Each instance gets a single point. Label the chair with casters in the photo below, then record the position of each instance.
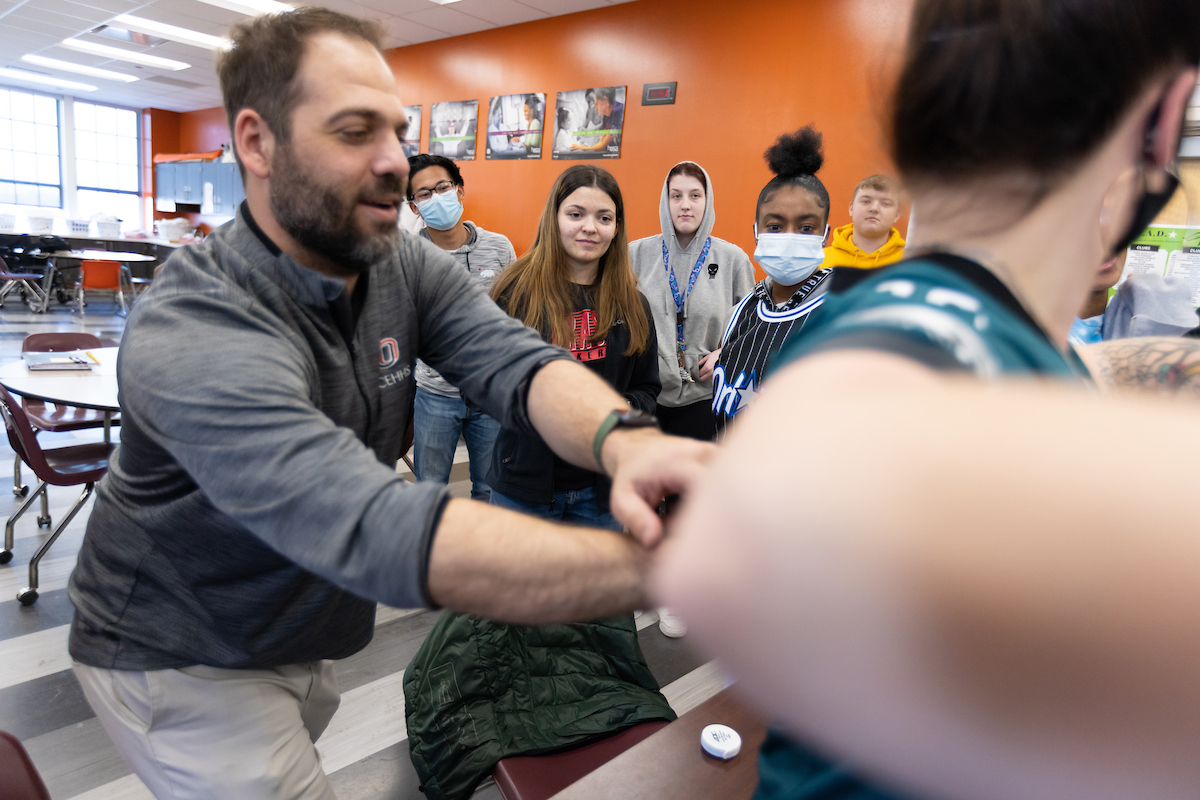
(56, 418)
(20, 777)
(74, 465)
(102, 276)
(13, 276)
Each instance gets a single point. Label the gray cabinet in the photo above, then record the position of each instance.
(164, 182)
(221, 178)
(188, 187)
(184, 183)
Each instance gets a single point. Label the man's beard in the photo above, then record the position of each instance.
(321, 221)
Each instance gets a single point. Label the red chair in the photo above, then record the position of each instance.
(542, 777)
(19, 779)
(62, 466)
(56, 418)
(103, 275)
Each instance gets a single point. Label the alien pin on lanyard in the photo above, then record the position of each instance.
(681, 301)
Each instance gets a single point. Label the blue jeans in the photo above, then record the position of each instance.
(438, 422)
(578, 506)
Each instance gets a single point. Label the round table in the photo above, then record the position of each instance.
(52, 268)
(95, 388)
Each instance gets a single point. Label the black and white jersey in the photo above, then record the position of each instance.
(758, 329)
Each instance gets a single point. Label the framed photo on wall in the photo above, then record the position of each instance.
(514, 126)
(412, 140)
(452, 129)
(588, 123)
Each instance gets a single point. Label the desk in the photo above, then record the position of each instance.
(85, 255)
(95, 388)
(671, 766)
(102, 255)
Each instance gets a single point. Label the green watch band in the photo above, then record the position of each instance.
(619, 419)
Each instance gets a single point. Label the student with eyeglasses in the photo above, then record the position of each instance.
(436, 192)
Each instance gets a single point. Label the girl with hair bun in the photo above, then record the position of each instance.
(790, 226)
(691, 279)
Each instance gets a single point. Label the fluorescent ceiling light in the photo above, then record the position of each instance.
(443, 2)
(122, 55)
(251, 8)
(172, 32)
(45, 80)
(95, 72)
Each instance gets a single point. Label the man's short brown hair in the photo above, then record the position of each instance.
(259, 71)
(880, 183)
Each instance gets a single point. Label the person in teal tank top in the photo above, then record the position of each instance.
(932, 605)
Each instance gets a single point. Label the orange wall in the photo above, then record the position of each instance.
(746, 73)
(202, 131)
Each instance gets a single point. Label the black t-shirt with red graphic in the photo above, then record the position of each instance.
(567, 476)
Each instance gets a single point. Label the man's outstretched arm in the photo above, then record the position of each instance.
(516, 568)
(567, 404)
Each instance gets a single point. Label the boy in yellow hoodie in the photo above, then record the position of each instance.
(869, 241)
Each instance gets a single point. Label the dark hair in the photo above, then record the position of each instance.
(537, 289)
(531, 101)
(259, 70)
(425, 161)
(692, 170)
(795, 159)
(1027, 86)
(609, 93)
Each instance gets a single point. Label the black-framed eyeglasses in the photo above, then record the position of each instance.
(440, 188)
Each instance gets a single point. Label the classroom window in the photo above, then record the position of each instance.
(30, 162)
(107, 162)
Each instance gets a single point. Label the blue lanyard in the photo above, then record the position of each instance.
(680, 300)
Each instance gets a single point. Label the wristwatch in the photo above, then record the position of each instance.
(620, 419)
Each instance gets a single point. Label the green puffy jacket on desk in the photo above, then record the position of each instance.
(479, 691)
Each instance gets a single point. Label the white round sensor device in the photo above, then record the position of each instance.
(721, 741)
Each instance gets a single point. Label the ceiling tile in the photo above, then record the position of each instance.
(391, 8)
(68, 10)
(115, 6)
(500, 12)
(410, 32)
(557, 7)
(448, 21)
(17, 19)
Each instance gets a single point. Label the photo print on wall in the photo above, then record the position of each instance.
(514, 126)
(587, 123)
(412, 140)
(452, 128)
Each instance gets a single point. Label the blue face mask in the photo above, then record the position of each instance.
(789, 258)
(442, 211)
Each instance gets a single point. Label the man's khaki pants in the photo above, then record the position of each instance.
(203, 733)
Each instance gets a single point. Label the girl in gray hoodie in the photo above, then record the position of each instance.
(692, 280)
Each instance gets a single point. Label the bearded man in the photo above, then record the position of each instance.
(252, 516)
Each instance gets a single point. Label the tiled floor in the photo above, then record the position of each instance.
(365, 749)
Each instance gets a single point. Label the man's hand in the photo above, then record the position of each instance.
(647, 466)
(708, 364)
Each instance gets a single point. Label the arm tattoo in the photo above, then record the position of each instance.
(1160, 364)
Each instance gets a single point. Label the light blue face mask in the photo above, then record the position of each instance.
(789, 258)
(442, 211)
